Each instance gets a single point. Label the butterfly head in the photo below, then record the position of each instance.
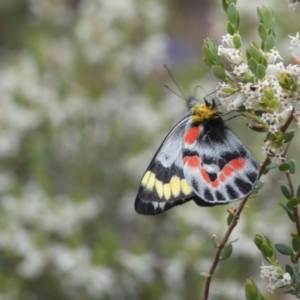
(202, 112)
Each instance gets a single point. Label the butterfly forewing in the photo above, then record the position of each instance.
(163, 184)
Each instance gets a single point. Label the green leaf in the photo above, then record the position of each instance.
(226, 252)
(237, 41)
(268, 18)
(284, 167)
(262, 31)
(293, 259)
(263, 61)
(288, 136)
(208, 54)
(266, 250)
(232, 14)
(259, 184)
(229, 219)
(219, 72)
(289, 270)
(284, 249)
(254, 52)
(252, 292)
(224, 5)
(230, 28)
(274, 104)
(269, 43)
(298, 192)
(260, 14)
(286, 192)
(272, 166)
(289, 213)
(296, 243)
(252, 63)
(292, 167)
(258, 241)
(294, 201)
(214, 296)
(261, 72)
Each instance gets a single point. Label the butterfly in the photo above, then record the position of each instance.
(200, 159)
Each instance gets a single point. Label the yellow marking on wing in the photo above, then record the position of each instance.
(145, 178)
(159, 188)
(167, 191)
(150, 182)
(175, 186)
(185, 187)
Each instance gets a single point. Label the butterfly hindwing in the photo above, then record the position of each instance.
(216, 164)
(163, 185)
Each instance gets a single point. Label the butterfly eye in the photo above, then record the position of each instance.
(191, 102)
(210, 104)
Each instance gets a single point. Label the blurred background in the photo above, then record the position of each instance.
(83, 109)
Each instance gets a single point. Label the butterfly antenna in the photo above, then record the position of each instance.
(200, 87)
(176, 83)
(166, 86)
(235, 116)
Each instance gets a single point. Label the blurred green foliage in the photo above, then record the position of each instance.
(82, 110)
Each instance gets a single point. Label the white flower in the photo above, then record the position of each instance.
(295, 40)
(276, 277)
(224, 51)
(273, 55)
(292, 5)
(280, 156)
(227, 39)
(268, 149)
(270, 272)
(265, 117)
(275, 69)
(249, 104)
(232, 54)
(239, 100)
(263, 84)
(235, 57)
(285, 114)
(286, 279)
(273, 128)
(239, 70)
(295, 46)
(293, 69)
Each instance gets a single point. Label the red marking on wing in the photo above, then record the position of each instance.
(237, 164)
(227, 170)
(233, 166)
(205, 175)
(192, 161)
(192, 135)
(222, 177)
(206, 178)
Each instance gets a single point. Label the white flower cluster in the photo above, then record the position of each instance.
(253, 93)
(276, 277)
(34, 217)
(250, 96)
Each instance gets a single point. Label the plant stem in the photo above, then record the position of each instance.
(237, 216)
(227, 235)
